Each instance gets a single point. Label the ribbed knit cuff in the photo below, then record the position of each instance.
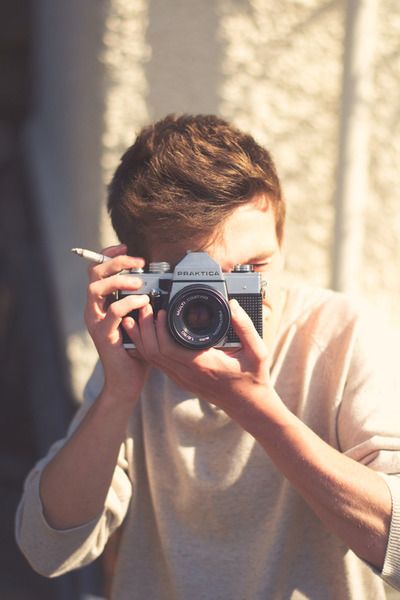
(391, 566)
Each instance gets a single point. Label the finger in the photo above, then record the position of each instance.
(243, 326)
(169, 348)
(111, 318)
(111, 251)
(114, 250)
(132, 328)
(101, 288)
(148, 334)
(121, 308)
(115, 265)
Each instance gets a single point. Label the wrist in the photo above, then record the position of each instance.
(125, 383)
(119, 394)
(261, 412)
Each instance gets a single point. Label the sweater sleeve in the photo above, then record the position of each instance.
(53, 552)
(368, 425)
(391, 567)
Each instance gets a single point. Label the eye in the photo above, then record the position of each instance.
(258, 266)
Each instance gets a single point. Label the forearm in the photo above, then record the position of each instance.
(352, 500)
(74, 484)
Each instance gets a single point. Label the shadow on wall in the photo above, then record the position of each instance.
(36, 404)
(183, 71)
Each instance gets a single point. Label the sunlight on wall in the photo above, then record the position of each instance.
(276, 86)
(273, 68)
(382, 226)
(124, 57)
(281, 78)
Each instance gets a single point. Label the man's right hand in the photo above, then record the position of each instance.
(124, 371)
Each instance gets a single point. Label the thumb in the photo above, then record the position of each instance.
(245, 330)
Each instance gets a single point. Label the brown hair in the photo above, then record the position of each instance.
(183, 177)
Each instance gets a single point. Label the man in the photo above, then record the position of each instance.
(266, 471)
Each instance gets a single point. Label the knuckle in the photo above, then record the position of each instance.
(126, 261)
(131, 301)
(247, 326)
(263, 354)
(130, 279)
(114, 310)
(93, 273)
(92, 289)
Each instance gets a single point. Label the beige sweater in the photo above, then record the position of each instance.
(206, 515)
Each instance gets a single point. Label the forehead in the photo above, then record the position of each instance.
(248, 234)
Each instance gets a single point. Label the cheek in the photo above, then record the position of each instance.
(267, 306)
(272, 295)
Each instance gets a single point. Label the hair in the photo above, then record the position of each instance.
(183, 177)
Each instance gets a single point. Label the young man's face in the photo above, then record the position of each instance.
(248, 236)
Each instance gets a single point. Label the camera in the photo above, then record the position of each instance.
(195, 296)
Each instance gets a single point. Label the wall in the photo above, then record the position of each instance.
(286, 71)
(105, 68)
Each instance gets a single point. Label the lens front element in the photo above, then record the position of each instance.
(198, 317)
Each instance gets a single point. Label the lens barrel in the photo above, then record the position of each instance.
(198, 317)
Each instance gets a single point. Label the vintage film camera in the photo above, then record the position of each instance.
(196, 296)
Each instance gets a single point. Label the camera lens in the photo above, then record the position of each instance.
(198, 317)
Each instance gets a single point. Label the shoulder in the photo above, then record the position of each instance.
(319, 308)
(330, 317)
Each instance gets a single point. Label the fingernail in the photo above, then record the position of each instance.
(234, 305)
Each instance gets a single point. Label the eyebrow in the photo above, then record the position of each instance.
(259, 259)
(262, 256)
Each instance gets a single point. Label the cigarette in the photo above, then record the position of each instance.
(90, 255)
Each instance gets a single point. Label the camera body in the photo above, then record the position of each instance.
(195, 296)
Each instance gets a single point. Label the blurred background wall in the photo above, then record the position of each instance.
(316, 81)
